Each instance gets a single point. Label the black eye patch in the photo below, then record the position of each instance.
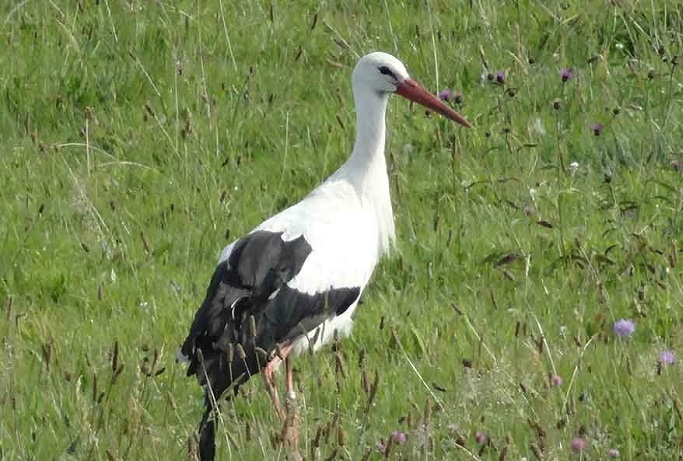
(384, 70)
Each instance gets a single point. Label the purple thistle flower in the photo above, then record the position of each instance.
(597, 129)
(500, 76)
(399, 437)
(445, 95)
(624, 328)
(566, 74)
(666, 358)
(578, 444)
(556, 380)
(613, 453)
(481, 437)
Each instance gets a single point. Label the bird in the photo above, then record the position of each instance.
(293, 283)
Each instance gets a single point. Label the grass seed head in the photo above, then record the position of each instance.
(252, 326)
(230, 352)
(341, 439)
(536, 450)
(240, 352)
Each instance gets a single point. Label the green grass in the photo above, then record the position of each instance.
(138, 138)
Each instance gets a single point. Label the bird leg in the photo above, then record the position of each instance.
(290, 429)
(268, 373)
(289, 415)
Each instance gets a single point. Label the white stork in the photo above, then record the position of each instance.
(293, 283)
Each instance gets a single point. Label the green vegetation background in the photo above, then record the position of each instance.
(137, 138)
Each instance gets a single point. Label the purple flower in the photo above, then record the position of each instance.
(566, 74)
(382, 447)
(399, 437)
(481, 437)
(597, 129)
(667, 358)
(578, 444)
(500, 76)
(624, 328)
(556, 380)
(613, 453)
(445, 95)
(676, 165)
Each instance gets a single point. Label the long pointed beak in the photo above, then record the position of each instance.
(413, 91)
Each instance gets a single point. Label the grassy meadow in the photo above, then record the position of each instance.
(137, 138)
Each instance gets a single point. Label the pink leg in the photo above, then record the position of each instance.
(290, 415)
(291, 395)
(290, 429)
(269, 378)
(268, 373)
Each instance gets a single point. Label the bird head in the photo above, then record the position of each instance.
(385, 74)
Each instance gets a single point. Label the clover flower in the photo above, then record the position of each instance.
(578, 444)
(399, 437)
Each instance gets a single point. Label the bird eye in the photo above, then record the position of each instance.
(384, 70)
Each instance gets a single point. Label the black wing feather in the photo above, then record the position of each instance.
(252, 283)
(259, 265)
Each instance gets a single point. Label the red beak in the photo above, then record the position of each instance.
(412, 90)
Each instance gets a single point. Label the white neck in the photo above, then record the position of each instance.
(366, 169)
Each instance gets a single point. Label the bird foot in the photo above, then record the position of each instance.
(290, 429)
